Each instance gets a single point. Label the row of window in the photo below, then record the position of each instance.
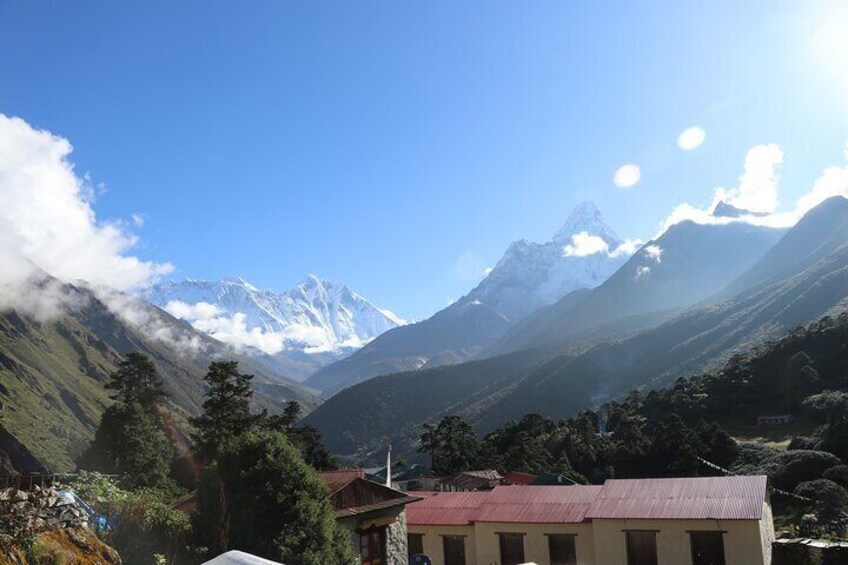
(707, 548)
(560, 547)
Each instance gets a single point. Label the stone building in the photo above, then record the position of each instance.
(373, 514)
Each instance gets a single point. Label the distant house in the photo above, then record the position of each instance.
(697, 521)
(774, 419)
(516, 478)
(373, 514)
(470, 481)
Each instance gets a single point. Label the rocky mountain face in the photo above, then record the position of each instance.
(686, 264)
(581, 255)
(801, 278)
(53, 371)
(296, 331)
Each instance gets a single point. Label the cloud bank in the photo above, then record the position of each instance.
(233, 330)
(757, 193)
(47, 224)
(584, 244)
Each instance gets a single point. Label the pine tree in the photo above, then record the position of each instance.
(129, 440)
(226, 410)
(452, 445)
(136, 380)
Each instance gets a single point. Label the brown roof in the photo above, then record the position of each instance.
(700, 498)
(471, 480)
(516, 478)
(337, 480)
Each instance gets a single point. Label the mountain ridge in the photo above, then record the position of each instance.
(296, 331)
(527, 276)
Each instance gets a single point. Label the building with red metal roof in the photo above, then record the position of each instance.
(696, 521)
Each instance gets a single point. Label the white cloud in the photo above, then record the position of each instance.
(583, 244)
(627, 176)
(642, 271)
(627, 248)
(691, 138)
(47, 221)
(653, 252)
(233, 330)
(758, 192)
(487, 271)
(137, 219)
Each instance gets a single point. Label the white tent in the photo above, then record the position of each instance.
(240, 558)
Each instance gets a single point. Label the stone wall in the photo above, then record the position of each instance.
(397, 552)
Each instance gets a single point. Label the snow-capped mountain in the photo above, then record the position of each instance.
(582, 254)
(314, 323)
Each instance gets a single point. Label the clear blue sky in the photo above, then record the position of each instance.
(377, 143)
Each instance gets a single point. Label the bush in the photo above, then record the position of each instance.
(140, 524)
(838, 475)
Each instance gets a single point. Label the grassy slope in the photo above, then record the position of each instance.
(52, 376)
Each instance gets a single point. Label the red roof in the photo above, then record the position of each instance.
(706, 498)
(516, 478)
(445, 508)
(510, 504)
(702, 498)
(337, 480)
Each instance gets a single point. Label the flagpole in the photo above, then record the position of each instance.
(389, 467)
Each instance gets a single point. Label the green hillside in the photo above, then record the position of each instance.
(52, 375)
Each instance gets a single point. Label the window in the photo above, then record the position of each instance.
(454, 547)
(561, 549)
(415, 543)
(641, 548)
(707, 548)
(372, 546)
(512, 549)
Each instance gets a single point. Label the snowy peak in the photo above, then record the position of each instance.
(586, 218)
(316, 316)
(582, 254)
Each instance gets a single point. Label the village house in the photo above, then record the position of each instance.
(468, 481)
(686, 521)
(774, 419)
(373, 515)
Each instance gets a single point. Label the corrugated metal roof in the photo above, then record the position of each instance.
(382, 505)
(516, 478)
(701, 498)
(445, 508)
(337, 480)
(504, 504)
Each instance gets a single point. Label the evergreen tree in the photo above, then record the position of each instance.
(129, 440)
(260, 496)
(306, 439)
(452, 445)
(226, 410)
(136, 380)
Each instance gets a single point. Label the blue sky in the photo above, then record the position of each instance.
(383, 144)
